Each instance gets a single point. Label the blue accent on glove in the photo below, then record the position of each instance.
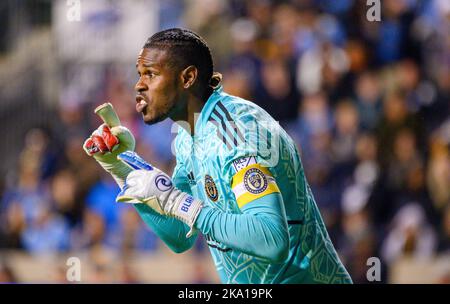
(136, 162)
(133, 160)
(122, 191)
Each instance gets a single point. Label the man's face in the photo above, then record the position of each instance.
(158, 87)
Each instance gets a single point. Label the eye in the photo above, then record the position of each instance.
(149, 74)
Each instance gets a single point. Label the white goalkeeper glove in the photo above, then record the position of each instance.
(108, 141)
(149, 185)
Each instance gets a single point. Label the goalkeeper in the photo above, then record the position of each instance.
(238, 179)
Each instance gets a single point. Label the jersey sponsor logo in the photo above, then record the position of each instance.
(163, 183)
(211, 188)
(255, 181)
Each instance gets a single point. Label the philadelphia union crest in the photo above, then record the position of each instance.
(255, 181)
(211, 189)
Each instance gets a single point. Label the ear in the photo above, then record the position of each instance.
(189, 76)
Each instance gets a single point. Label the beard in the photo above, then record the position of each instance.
(157, 117)
(154, 120)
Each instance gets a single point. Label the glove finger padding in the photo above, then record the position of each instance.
(90, 147)
(105, 144)
(111, 141)
(101, 141)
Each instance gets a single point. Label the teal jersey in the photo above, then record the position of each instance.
(247, 171)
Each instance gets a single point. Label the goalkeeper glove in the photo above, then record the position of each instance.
(149, 185)
(105, 144)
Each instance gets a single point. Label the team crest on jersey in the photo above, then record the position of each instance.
(255, 181)
(210, 188)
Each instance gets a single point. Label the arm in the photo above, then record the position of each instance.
(105, 144)
(261, 230)
(170, 230)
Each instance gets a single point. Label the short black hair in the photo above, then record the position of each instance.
(187, 48)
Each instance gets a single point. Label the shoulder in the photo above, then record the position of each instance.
(236, 117)
(243, 130)
(239, 109)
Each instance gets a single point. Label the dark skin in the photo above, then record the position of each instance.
(169, 90)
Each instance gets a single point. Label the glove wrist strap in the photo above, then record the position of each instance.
(186, 208)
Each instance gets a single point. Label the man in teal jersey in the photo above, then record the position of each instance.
(238, 179)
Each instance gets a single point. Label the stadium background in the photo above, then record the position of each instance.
(367, 103)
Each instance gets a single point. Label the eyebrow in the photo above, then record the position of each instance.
(147, 65)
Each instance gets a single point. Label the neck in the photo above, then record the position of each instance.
(194, 107)
(189, 115)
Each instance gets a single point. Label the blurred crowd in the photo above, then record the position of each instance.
(366, 102)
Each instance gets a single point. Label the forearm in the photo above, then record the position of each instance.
(170, 230)
(261, 231)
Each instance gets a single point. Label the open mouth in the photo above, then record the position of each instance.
(141, 104)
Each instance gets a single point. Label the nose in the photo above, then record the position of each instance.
(140, 86)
